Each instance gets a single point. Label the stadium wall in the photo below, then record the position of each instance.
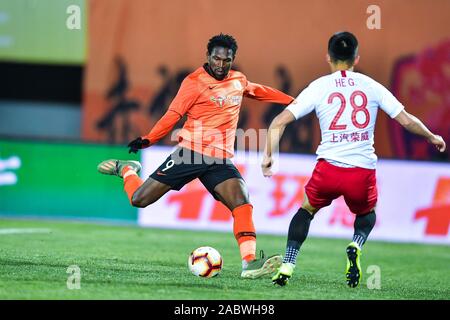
(56, 180)
(140, 51)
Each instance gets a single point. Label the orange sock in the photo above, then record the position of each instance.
(131, 181)
(244, 231)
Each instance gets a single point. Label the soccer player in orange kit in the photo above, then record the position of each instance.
(211, 97)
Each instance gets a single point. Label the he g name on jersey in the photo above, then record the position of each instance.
(344, 82)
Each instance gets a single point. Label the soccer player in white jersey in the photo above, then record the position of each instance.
(346, 104)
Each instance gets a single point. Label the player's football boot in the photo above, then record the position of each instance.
(115, 167)
(283, 274)
(353, 272)
(260, 267)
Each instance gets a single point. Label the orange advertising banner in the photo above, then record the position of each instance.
(139, 51)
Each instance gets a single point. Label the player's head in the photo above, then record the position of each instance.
(343, 49)
(222, 49)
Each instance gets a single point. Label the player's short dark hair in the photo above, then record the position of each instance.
(223, 40)
(343, 46)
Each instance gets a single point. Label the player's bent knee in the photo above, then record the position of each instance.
(241, 199)
(139, 201)
(310, 209)
(239, 202)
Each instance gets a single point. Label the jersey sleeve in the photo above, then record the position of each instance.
(163, 126)
(186, 96)
(264, 93)
(304, 103)
(387, 101)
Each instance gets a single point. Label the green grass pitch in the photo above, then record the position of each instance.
(126, 262)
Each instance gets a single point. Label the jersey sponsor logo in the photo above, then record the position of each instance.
(221, 100)
(350, 137)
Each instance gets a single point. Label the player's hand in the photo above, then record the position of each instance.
(138, 144)
(266, 166)
(438, 142)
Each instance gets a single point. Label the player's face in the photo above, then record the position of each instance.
(220, 61)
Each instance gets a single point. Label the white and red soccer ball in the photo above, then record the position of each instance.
(205, 262)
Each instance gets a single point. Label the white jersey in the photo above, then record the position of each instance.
(346, 104)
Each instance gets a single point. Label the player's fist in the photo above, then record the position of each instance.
(138, 144)
(438, 142)
(266, 166)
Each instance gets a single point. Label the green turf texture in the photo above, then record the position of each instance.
(127, 262)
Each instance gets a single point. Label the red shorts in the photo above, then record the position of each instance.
(357, 185)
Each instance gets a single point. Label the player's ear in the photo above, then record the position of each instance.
(328, 58)
(356, 60)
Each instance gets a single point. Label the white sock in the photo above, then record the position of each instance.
(129, 173)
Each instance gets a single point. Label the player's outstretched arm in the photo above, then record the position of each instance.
(276, 130)
(265, 93)
(414, 125)
(161, 128)
(184, 99)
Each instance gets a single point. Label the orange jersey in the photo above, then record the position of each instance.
(212, 107)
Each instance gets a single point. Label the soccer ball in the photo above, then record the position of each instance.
(205, 262)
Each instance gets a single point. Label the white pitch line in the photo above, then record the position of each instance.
(23, 230)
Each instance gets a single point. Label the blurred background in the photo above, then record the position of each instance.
(81, 78)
